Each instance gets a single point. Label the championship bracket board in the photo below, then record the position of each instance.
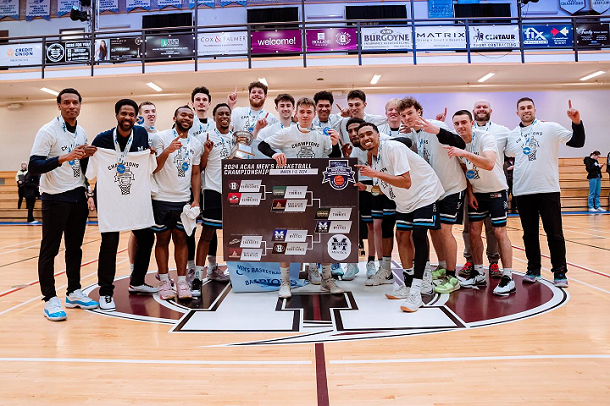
(305, 211)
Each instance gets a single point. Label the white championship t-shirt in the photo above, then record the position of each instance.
(53, 140)
(362, 156)
(244, 118)
(447, 169)
(536, 152)
(223, 143)
(395, 159)
(369, 118)
(123, 199)
(174, 179)
(270, 130)
(296, 144)
(199, 129)
(385, 129)
(483, 181)
(334, 120)
(498, 131)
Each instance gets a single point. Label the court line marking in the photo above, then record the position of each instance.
(153, 361)
(20, 243)
(21, 249)
(471, 359)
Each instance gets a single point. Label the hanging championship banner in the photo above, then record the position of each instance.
(224, 3)
(207, 3)
(65, 6)
(109, 5)
(9, 8)
(37, 8)
(440, 8)
(161, 4)
(601, 6)
(572, 6)
(133, 4)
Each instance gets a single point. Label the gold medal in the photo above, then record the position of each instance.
(376, 190)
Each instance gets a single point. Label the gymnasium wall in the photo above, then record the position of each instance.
(20, 126)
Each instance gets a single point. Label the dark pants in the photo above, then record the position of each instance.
(20, 197)
(69, 220)
(106, 270)
(548, 206)
(30, 202)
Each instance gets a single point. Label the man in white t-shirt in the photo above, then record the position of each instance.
(482, 121)
(535, 146)
(60, 154)
(254, 117)
(217, 146)
(392, 127)
(487, 198)
(303, 141)
(178, 159)
(429, 137)
(324, 106)
(284, 105)
(408, 180)
(356, 103)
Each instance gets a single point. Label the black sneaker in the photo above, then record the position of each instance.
(196, 287)
(531, 276)
(560, 280)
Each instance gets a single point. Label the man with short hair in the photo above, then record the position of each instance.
(254, 117)
(284, 105)
(535, 145)
(324, 106)
(482, 121)
(126, 137)
(392, 127)
(487, 198)
(429, 137)
(217, 147)
(408, 180)
(301, 141)
(60, 155)
(356, 103)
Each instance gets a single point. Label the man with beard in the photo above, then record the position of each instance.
(124, 138)
(535, 145)
(487, 198)
(254, 117)
(356, 103)
(217, 147)
(392, 127)
(60, 154)
(407, 179)
(178, 159)
(482, 121)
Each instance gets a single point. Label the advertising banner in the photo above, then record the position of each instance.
(260, 276)
(65, 6)
(68, 51)
(440, 37)
(19, 55)
(440, 8)
(9, 8)
(547, 35)
(125, 48)
(222, 43)
(109, 5)
(265, 42)
(37, 8)
(590, 35)
(572, 6)
(332, 39)
(601, 6)
(161, 4)
(133, 4)
(494, 36)
(388, 38)
(309, 207)
(174, 46)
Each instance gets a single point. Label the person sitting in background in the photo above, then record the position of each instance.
(20, 178)
(594, 170)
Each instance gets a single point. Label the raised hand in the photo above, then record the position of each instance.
(573, 114)
(442, 116)
(344, 112)
(334, 136)
(262, 123)
(425, 125)
(232, 98)
(208, 145)
(174, 146)
(347, 150)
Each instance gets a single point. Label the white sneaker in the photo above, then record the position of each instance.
(285, 290)
(370, 269)
(144, 288)
(313, 274)
(107, 304)
(350, 272)
(329, 285)
(505, 287)
(427, 287)
(474, 281)
(53, 310)
(600, 209)
(381, 277)
(400, 292)
(412, 303)
(79, 299)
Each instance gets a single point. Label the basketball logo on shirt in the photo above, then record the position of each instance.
(125, 180)
(306, 151)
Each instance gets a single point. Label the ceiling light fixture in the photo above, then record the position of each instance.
(591, 76)
(484, 78)
(375, 79)
(154, 87)
(53, 92)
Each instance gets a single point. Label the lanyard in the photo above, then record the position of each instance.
(251, 124)
(485, 127)
(376, 163)
(188, 143)
(222, 140)
(73, 143)
(121, 155)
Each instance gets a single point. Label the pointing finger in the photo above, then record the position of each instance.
(570, 104)
(266, 115)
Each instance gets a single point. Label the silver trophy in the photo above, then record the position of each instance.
(242, 145)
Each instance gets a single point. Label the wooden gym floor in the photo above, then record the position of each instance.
(557, 356)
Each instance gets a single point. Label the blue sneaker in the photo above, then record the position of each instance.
(560, 280)
(79, 299)
(336, 269)
(53, 310)
(350, 273)
(531, 276)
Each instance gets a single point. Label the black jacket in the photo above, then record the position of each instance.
(594, 171)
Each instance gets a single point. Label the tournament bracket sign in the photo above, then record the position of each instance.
(305, 211)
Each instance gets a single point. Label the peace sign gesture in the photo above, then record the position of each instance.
(573, 114)
(425, 125)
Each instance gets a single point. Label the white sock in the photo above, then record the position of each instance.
(163, 277)
(416, 286)
(181, 278)
(131, 267)
(326, 272)
(386, 263)
(427, 264)
(285, 274)
(442, 264)
(190, 264)
(507, 272)
(479, 269)
(198, 272)
(211, 261)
